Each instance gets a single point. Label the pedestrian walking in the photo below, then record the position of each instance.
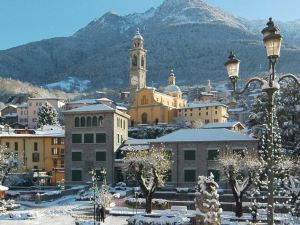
(98, 213)
(102, 213)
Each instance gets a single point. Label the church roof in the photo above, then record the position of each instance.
(138, 35)
(172, 88)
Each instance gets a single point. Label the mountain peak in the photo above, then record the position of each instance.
(175, 12)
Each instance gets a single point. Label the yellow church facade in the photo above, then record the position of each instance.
(147, 105)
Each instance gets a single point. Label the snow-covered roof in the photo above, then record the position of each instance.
(10, 115)
(172, 88)
(203, 135)
(3, 188)
(95, 108)
(10, 105)
(37, 133)
(222, 125)
(203, 104)
(236, 110)
(104, 100)
(133, 141)
(23, 105)
(84, 101)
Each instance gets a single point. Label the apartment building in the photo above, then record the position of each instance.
(93, 135)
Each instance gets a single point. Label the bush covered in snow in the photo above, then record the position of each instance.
(158, 219)
(141, 203)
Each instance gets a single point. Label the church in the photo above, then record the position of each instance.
(147, 105)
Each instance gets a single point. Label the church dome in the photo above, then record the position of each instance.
(138, 35)
(172, 88)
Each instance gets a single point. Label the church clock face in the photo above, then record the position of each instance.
(134, 80)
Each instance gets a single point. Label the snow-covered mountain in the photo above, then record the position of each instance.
(190, 36)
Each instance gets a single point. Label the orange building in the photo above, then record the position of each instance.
(39, 150)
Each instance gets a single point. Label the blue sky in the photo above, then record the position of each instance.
(23, 21)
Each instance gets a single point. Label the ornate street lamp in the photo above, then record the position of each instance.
(272, 40)
(95, 179)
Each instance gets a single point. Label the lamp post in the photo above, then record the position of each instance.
(272, 41)
(94, 185)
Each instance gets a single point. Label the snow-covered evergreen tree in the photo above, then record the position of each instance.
(207, 201)
(47, 115)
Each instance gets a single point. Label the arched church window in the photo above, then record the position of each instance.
(94, 121)
(134, 60)
(82, 121)
(143, 62)
(88, 121)
(100, 122)
(144, 100)
(77, 122)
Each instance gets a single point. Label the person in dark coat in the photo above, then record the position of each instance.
(102, 213)
(98, 213)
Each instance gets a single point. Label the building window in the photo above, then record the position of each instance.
(100, 138)
(54, 151)
(62, 152)
(189, 175)
(215, 173)
(199, 114)
(82, 121)
(7, 144)
(100, 122)
(169, 176)
(179, 110)
(16, 146)
(216, 121)
(35, 157)
(144, 100)
(62, 163)
(76, 138)
(94, 122)
(216, 112)
(206, 108)
(118, 138)
(88, 121)
(189, 155)
(123, 124)
(206, 121)
(191, 114)
(76, 175)
(54, 141)
(76, 156)
(35, 146)
(207, 113)
(213, 154)
(62, 141)
(88, 138)
(54, 163)
(100, 156)
(77, 124)
(216, 107)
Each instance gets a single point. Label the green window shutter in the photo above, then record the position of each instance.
(76, 175)
(189, 175)
(213, 154)
(216, 174)
(100, 138)
(76, 138)
(76, 156)
(100, 156)
(88, 138)
(189, 155)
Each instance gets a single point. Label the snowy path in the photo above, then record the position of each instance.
(62, 220)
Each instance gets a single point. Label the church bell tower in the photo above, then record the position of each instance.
(137, 64)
